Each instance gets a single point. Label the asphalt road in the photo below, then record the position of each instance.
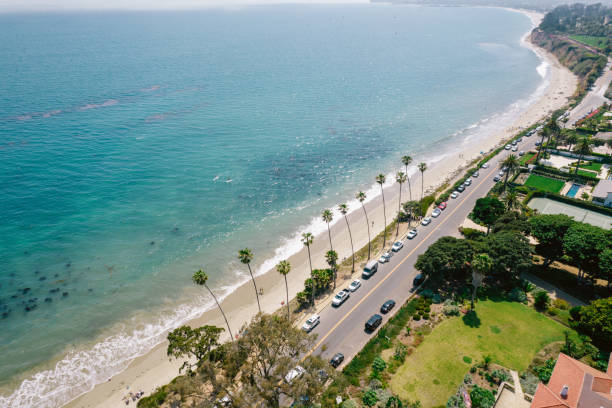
(594, 99)
(342, 329)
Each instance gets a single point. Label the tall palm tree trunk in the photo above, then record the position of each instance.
(384, 216)
(578, 164)
(367, 225)
(287, 292)
(329, 234)
(222, 312)
(422, 184)
(351, 237)
(409, 186)
(311, 276)
(255, 286)
(399, 210)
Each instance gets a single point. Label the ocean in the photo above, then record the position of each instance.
(138, 147)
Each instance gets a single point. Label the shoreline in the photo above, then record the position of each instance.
(153, 369)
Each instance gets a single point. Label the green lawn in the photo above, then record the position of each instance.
(510, 332)
(583, 172)
(545, 183)
(591, 166)
(526, 158)
(596, 42)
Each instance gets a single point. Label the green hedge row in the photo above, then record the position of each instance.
(545, 170)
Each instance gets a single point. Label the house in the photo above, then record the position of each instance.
(602, 193)
(575, 385)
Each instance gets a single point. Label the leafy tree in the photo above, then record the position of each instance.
(413, 208)
(328, 216)
(380, 179)
(595, 320)
(512, 165)
(582, 148)
(486, 361)
(545, 371)
(422, 167)
(192, 344)
(447, 258)
(379, 364)
(200, 278)
(246, 256)
(583, 243)
(253, 369)
(369, 398)
(343, 208)
(394, 402)
(361, 196)
(406, 160)
(307, 240)
(283, 268)
(481, 397)
(481, 266)
(605, 266)
(541, 300)
(510, 252)
(488, 210)
(511, 200)
(511, 221)
(550, 230)
(401, 179)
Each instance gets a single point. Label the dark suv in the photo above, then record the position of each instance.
(373, 322)
(387, 306)
(336, 360)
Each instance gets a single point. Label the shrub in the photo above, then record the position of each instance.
(379, 364)
(553, 311)
(561, 304)
(467, 359)
(455, 401)
(451, 310)
(517, 295)
(467, 379)
(400, 353)
(473, 369)
(545, 371)
(500, 376)
(369, 398)
(575, 312)
(542, 300)
(426, 316)
(472, 234)
(375, 384)
(481, 398)
(417, 317)
(528, 286)
(349, 403)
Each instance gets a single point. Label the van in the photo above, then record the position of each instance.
(373, 322)
(370, 269)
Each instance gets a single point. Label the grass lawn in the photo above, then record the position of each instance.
(591, 166)
(526, 158)
(583, 172)
(510, 332)
(596, 42)
(545, 183)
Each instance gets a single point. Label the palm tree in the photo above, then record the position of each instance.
(307, 240)
(328, 216)
(344, 210)
(331, 257)
(246, 256)
(511, 200)
(572, 139)
(544, 133)
(200, 278)
(401, 179)
(583, 147)
(380, 179)
(283, 268)
(422, 168)
(512, 165)
(407, 160)
(481, 265)
(361, 196)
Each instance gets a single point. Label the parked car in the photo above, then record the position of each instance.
(515, 148)
(387, 306)
(507, 147)
(461, 188)
(501, 173)
(468, 181)
(336, 360)
(418, 280)
(496, 179)
(340, 297)
(538, 143)
(426, 221)
(412, 233)
(520, 139)
(514, 143)
(373, 322)
(442, 205)
(521, 153)
(370, 269)
(397, 245)
(454, 194)
(384, 258)
(476, 174)
(485, 166)
(297, 372)
(356, 284)
(436, 212)
(311, 323)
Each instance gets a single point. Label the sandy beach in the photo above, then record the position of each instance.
(154, 369)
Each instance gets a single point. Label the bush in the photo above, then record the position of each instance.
(379, 364)
(545, 371)
(517, 295)
(467, 359)
(575, 312)
(500, 376)
(400, 353)
(451, 310)
(542, 300)
(349, 403)
(561, 304)
(369, 398)
(472, 233)
(467, 379)
(481, 398)
(455, 401)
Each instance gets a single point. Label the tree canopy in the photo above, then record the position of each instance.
(550, 230)
(194, 344)
(447, 258)
(595, 320)
(488, 210)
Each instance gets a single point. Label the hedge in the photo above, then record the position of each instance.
(545, 170)
(587, 205)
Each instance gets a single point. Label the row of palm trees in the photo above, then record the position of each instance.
(552, 132)
(245, 256)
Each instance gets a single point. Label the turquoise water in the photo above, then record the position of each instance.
(137, 147)
(573, 190)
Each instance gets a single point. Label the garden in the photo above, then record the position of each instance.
(545, 183)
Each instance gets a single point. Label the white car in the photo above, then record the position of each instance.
(468, 181)
(356, 284)
(397, 245)
(507, 147)
(340, 297)
(476, 174)
(311, 323)
(297, 372)
(485, 166)
(436, 212)
(515, 148)
(454, 194)
(412, 233)
(384, 258)
(522, 153)
(426, 221)
(501, 173)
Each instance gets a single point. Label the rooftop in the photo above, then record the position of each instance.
(602, 189)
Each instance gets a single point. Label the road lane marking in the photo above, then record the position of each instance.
(335, 326)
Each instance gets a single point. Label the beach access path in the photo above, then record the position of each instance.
(342, 329)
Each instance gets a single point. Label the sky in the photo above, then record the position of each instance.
(60, 5)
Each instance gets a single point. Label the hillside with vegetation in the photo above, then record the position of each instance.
(539, 5)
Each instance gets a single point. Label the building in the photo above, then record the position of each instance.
(602, 193)
(575, 385)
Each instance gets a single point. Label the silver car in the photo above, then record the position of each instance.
(340, 297)
(311, 323)
(426, 221)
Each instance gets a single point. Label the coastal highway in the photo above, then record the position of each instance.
(594, 99)
(342, 329)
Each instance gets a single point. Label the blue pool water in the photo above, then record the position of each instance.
(138, 147)
(573, 190)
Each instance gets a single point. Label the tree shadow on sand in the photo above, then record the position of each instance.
(471, 319)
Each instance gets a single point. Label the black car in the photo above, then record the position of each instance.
(336, 360)
(496, 179)
(418, 280)
(373, 322)
(387, 306)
